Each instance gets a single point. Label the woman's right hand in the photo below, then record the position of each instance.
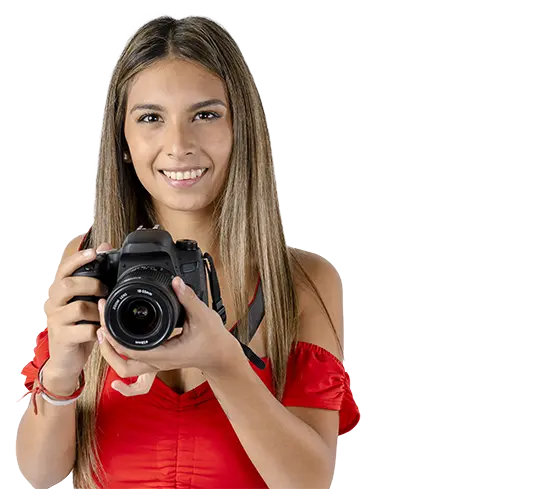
(70, 344)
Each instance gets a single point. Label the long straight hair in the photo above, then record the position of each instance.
(246, 223)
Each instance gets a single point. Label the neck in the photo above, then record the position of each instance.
(195, 225)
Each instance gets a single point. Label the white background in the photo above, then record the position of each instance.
(405, 142)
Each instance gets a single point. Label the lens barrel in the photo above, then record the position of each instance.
(142, 310)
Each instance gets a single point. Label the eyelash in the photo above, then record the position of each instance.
(216, 116)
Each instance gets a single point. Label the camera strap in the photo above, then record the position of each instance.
(217, 305)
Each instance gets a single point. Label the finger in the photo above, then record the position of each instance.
(123, 367)
(75, 334)
(188, 298)
(78, 311)
(73, 262)
(138, 388)
(104, 247)
(176, 332)
(64, 290)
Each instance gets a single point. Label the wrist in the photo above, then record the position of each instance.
(230, 362)
(59, 383)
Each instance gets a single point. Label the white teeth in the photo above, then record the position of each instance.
(186, 175)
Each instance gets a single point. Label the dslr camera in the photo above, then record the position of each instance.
(142, 309)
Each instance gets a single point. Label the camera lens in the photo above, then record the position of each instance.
(138, 317)
(142, 309)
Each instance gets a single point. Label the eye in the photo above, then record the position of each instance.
(148, 114)
(215, 116)
(153, 114)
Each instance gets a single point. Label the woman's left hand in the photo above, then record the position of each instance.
(203, 343)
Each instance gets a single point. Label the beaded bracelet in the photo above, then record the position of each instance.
(39, 389)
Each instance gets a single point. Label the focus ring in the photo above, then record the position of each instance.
(147, 272)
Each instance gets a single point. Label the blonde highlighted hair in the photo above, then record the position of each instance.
(246, 223)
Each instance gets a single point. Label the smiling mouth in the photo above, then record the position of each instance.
(184, 176)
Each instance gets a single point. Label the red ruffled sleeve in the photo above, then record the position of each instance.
(317, 378)
(41, 354)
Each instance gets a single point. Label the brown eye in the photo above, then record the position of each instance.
(213, 114)
(149, 114)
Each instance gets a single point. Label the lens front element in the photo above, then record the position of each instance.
(138, 317)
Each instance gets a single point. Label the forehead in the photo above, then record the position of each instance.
(169, 80)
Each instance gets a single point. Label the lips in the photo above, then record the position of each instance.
(183, 183)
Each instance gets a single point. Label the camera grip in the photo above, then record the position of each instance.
(92, 269)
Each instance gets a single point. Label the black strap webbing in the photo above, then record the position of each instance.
(255, 317)
(255, 313)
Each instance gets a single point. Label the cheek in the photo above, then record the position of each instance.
(144, 151)
(143, 154)
(222, 156)
(218, 144)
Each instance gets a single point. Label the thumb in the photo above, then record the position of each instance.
(187, 296)
(104, 247)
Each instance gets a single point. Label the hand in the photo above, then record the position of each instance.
(203, 343)
(70, 344)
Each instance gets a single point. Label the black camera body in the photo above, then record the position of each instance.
(142, 309)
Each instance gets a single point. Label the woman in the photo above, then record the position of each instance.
(185, 145)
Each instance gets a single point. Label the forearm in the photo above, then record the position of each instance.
(287, 452)
(46, 441)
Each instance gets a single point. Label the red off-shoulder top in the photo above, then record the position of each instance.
(166, 440)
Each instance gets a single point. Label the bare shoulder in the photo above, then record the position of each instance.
(321, 272)
(315, 326)
(73, 246)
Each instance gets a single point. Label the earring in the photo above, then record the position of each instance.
(126, 157)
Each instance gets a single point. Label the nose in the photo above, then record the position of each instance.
(180, 139)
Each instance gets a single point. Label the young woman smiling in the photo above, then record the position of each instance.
(185, 145)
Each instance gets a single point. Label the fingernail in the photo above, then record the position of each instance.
(99, 336)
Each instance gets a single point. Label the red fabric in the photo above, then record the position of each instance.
(186, 439)
(168, 440)
(316, 378)
(164, 440)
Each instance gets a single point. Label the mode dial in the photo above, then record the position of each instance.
(187, 245)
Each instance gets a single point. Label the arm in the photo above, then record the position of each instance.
(294, 447)
(45, 445)
(46, 441)
(285, 450)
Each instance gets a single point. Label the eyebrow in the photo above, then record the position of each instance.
(198, 105)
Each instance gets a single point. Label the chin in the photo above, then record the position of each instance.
(188, 204)
(188, 200)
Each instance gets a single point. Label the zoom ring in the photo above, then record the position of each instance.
(149, 273)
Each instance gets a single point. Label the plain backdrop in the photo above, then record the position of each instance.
(393, 124)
